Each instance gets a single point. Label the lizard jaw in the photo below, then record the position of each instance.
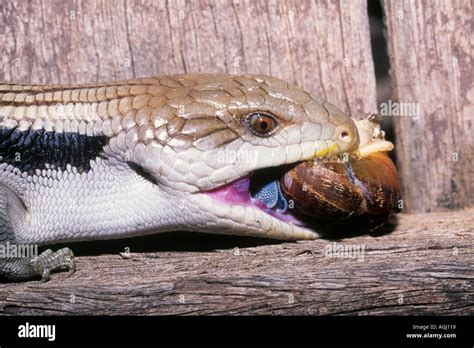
(234, 203)
(236, 211)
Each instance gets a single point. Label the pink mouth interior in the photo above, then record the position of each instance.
(237, 193)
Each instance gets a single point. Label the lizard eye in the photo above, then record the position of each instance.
(260, 124)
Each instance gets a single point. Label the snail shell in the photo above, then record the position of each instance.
(362, 187)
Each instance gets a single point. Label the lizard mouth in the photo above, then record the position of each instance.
(261, 190)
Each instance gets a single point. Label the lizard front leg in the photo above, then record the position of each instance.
(18, 268)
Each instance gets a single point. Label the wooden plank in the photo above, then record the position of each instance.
(431, 46)
(425, 266)
(322, 46)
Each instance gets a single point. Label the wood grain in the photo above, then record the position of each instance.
(431, 50)
(425, 266)
(56, 41)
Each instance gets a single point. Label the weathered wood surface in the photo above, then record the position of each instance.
(322, 46)
(431, 49)
(424, 266)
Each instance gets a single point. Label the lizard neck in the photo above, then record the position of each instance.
(110, 201)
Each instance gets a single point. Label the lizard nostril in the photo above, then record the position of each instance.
(344, 136)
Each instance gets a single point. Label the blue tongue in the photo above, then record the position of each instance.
(270, 194)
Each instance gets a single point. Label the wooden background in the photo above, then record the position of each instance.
(431, 49)
(325, 47)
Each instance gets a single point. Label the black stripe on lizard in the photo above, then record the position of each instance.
(30, 150)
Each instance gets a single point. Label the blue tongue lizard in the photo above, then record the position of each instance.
(270, 194)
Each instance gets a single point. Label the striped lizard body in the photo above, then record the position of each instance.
(129, 158)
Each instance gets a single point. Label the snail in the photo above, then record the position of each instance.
(363, 186)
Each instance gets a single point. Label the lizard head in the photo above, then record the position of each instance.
(208, 135)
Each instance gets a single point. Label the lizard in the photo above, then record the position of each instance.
(130, 158)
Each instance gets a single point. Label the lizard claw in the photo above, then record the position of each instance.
(49, 261)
